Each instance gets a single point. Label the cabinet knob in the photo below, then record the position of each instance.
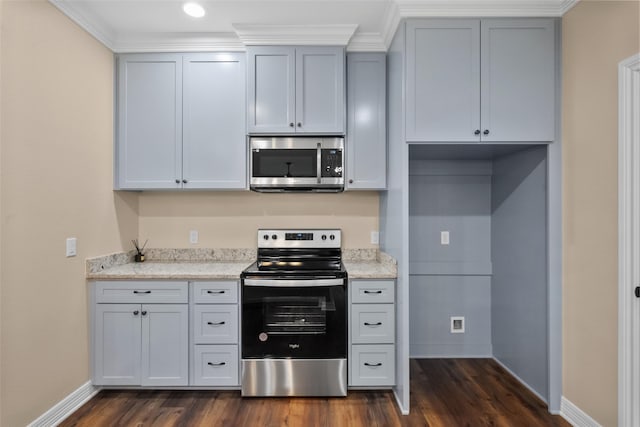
(144, 313)
(135, 313)
(184, 181)
(476, 132)
(291, 125)
(177, 181)
(299, 124)
(350, 181)
(486, 132)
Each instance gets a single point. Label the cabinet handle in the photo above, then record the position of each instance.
(372, 324)
(216, 323)
(184, 181)
(486, 132)
(637, 291)
(217, 364)
(135, 313)
(141, 292)
(291, 125)
(476, 132)
(372, 364)
(372, 292)
(177, 181)
(144, 313)
(215, 292)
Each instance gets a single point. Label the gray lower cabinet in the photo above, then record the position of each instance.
(489, 80)
(215, 331)
(181, 121)
(372, 333)
(137, 341)
(296, 89)
(366, 121)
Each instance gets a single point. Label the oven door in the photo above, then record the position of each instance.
(294, 318)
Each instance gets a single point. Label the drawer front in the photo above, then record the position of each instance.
(372, 365)
(145, 292)
(372, 291)
(216, 365)
(372, 324)
(215, 324)
(222, 292)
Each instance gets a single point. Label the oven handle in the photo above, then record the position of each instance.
(283, 283)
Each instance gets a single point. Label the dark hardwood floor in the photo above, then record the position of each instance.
(444, 393)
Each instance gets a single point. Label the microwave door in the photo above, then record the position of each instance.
(284, 167)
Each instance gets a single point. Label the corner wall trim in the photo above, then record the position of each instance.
(67, 406)
(576, 416)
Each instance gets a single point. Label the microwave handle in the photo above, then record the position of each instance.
(319, 163)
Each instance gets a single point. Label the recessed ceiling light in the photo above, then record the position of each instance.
(193, 9)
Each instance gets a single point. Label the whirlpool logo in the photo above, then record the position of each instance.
(294, 346)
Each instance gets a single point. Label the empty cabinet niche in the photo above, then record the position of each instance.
(478, 250)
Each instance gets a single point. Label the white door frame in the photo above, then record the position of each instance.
(628, 241)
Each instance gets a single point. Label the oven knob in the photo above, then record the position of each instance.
(332, 237)
(274, 237)
(324, 237)
(265, 237)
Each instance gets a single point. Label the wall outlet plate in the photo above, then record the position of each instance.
(72, 248)
(375, 237)
(193, 237)
(457, 324)
(444, 237)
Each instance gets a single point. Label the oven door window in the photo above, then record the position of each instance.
(285, 163)
(294, 322)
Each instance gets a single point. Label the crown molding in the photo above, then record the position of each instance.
(367, 42)
(258, 34)
(178, 42)
(482, 8)
(97, 31)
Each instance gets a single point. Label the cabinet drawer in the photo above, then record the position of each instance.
(216, 365)
(372, 324)
(215, 324)
(372, 291)
(372, 365)
(126, 292)
(223, 292)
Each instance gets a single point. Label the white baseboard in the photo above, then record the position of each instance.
(403, 410)
(574, 415)
(67, 406)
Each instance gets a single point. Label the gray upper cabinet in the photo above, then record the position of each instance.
(214, 137)
(149, 111)
(181, 121)
(366, 121)
(471, 80)
(296, 90)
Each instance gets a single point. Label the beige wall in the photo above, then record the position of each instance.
(231, 219)
(56, 157)
(597, 35)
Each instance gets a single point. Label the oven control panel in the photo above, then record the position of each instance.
(286, 238)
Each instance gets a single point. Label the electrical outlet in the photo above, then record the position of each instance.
(457, 324)
(375, 237)
(193, 237)
(444, 237)
(72, 246)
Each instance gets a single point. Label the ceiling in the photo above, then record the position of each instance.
(361, 25)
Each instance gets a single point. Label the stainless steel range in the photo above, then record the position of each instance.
(294, 316)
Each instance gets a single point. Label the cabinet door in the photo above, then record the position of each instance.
(320, 93)
(518, 80)
(149, 144)
(214, 122)
(117, 344)
(443, 80)
(165, 344)
(271, 100)
(366, 121)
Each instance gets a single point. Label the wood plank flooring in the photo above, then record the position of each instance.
(444, 393)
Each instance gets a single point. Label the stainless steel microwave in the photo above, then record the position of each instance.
(296, 164)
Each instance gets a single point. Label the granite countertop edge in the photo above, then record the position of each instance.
(219, 264)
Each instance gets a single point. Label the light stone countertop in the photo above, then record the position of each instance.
(219, 264)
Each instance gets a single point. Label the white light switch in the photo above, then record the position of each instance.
(444, 237)
(193, 237)
(72, 246)
(375, 237)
